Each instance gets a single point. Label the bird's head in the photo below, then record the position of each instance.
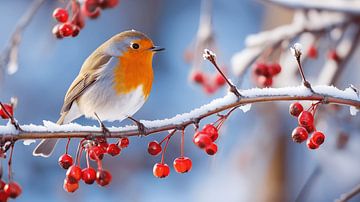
(131, 43)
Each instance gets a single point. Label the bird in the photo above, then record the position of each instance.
(113, 84)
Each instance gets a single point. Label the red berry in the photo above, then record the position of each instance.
(73, 174)
(88, 175)
(161, 170)
(310, 128)
(9, 109)
(76, 30)
(311, 144)
(61, 15)
(12, 189)
(65, 161)
(66, 29)
(318, 137)
(96, 153)
(333, 56)
(312, 52)
(295, 109)
(211, 149)
(70, 187)
(2, 184)
(305, 119)
(154, 148)
(90, 9)
(198, 77)
(56, 32)
(103, 177)
(113, 149)
(264, 81)
(210, 89)
(202, 140)
(261, 69)
(274, 69)
(124, 142)
(299, 134)
(108, 3)
(182, 164)
(219, 80)
(212, 131)
(3, 196)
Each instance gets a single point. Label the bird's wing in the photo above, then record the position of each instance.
(87, 76)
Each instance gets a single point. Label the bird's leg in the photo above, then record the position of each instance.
(141, 127)
(105, 130)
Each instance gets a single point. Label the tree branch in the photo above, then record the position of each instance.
(9, 56)
(347, 196)
(327, 94)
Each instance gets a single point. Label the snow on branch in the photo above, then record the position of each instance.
(326, 94)
(257, 44)
(349, 7)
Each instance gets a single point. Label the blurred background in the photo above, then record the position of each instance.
(257, 160)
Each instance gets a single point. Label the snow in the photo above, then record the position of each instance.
(296, 49)
(208, 53)
(353, 111)
(352, 7)
(228, 99)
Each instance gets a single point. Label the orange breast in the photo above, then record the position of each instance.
(132, 70)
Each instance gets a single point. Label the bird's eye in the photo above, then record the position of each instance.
(135, 46)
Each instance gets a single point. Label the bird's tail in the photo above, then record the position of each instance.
(47, 146)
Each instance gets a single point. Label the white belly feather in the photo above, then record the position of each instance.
(101, 98)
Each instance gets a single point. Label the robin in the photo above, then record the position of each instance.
(113, 84)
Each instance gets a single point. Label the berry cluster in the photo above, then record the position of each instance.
(6, 111)
(181, 164)
(306, 126)
(313, 53)
(71, 27)
(95, 151)
(205, 139)
(9, 190)
(209, 83)
(264, 73)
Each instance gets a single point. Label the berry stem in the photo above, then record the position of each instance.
(87, 159)
(78, 151)
(182, 143)
(166, 137)
(10, 162)
(79, 156)
(166, 145)
(67, 146)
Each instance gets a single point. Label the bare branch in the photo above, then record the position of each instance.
(9, 55)
(347, 196)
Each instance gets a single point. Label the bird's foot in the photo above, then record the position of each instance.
(104, 129)
(141, 127)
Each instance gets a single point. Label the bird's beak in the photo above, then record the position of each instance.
(156, 49)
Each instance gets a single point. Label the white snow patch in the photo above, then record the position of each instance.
(245, 108)
(28, 142)
(208, 53)
(353, 110)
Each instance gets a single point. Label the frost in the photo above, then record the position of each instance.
(208, 53)
(296, 49)
(245, 108)
(353, 110)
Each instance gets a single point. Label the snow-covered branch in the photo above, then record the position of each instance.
(327, 94)
(348, 7)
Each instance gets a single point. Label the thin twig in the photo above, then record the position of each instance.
(349, 195)
(10, 53)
